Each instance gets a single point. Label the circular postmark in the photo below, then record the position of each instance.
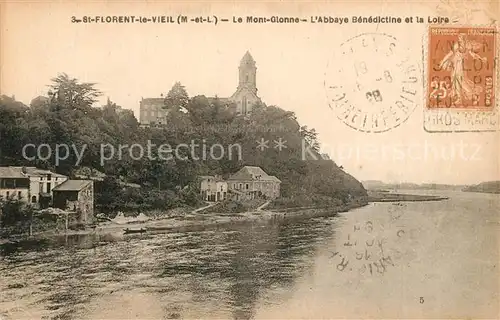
(372, 85)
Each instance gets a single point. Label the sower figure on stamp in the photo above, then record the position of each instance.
(461, 86)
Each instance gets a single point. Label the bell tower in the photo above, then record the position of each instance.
(246, 96)
(248, 73)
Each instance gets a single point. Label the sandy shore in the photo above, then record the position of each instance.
(200, 221)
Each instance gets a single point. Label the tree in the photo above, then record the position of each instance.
(70, 93)
(177, 97)
(310, 137)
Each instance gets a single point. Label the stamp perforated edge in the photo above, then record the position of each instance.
(425, 83)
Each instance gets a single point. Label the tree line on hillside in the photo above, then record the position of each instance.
(68, 116)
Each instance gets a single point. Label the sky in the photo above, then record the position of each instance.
(133, 61)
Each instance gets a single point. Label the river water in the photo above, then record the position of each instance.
(385, 260)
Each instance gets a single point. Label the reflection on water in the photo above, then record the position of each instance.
(81, 241)
(422, 260)
(222, 273)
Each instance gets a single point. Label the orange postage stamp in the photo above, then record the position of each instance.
(461, 68)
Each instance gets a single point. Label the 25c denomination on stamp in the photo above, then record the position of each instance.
(372, 85)
(461, 79)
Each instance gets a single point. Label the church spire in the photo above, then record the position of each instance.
(247, 59)
(248, 73)
(246, 93)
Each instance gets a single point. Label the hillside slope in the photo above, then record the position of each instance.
(207, 123)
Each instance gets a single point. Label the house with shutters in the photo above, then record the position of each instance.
(38, 190)
(213, 188)
(14, 184)
(252, 182)
(42, 182)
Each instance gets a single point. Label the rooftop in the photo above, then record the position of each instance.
(26, 172)
(253, 173)
(12, 172)
(247, 58)
(35, 172)
(72, 185)
(153, 100)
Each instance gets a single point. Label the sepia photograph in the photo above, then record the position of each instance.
(249, 160)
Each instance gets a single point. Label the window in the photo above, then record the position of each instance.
(9, 183)
(19, 196)
(33, 199)
(247, 186)
(49, 187)
(49, 177)
(244, 105)
(8, 193)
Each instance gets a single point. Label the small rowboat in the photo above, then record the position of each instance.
(128, 231)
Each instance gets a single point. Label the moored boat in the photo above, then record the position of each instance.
(128, 231)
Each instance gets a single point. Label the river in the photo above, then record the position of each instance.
(410, 260)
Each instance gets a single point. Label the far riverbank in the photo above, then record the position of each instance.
(386, 196)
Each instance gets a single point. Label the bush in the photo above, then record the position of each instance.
(111, 199)
(15, 216)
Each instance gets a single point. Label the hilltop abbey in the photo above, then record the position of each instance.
(152, 111)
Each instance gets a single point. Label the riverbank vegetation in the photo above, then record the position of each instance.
(378, 196)
(485, 187)
(19, 218)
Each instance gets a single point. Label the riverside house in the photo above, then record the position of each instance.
(213, 188)
(38, 191)
(42, 182)
(253, 182)
(14, 184)
(76, 196)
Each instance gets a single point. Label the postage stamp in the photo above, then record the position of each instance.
(461, 79)
(372, 85)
